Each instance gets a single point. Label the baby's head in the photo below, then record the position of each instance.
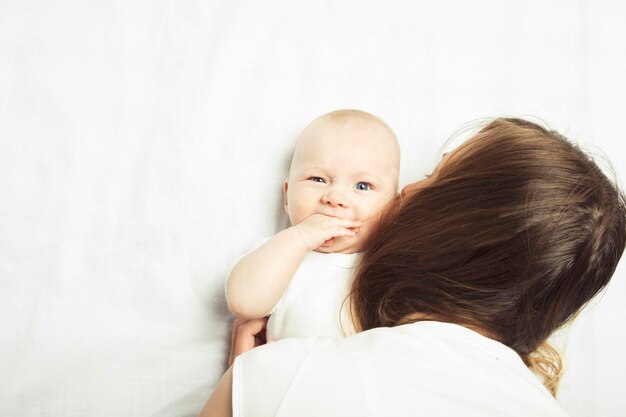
(345, 165)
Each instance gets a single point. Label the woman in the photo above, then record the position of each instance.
(471, 272)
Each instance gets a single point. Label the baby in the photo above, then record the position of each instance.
(343, 173)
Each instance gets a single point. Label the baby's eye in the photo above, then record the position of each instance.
(317, 179)
(363, 186)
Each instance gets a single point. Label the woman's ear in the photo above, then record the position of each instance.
(285, 188)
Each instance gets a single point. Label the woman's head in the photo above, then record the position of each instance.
(513, 234)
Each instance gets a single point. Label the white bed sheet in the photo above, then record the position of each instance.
(143, 146)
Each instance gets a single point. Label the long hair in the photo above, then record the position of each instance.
(513, 234)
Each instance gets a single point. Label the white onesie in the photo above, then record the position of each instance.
(312, 304)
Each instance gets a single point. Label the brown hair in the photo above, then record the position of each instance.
(515, 232)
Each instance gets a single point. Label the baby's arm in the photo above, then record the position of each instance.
(257, 282)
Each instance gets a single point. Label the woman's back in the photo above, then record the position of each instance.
(425, 368)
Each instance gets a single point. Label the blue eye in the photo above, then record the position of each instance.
(318, 179)
(363, 186)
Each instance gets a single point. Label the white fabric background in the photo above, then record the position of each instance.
(143, 146)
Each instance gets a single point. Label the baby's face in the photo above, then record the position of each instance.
(348, 171)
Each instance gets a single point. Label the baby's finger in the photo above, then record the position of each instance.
(233, 338)
(343, 231)
(246, 337)
(347, 223)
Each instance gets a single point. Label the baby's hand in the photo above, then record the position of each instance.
(319, 228)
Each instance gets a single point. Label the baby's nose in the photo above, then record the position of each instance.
(335, 199)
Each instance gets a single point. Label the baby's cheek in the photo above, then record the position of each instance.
(299, 213)
(370, 223)
(365, 231)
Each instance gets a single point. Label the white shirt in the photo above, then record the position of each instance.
(312, 304)
(421, 369)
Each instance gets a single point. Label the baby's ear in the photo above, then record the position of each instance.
(285, 200)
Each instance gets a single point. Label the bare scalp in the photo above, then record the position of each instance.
(375, 133)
